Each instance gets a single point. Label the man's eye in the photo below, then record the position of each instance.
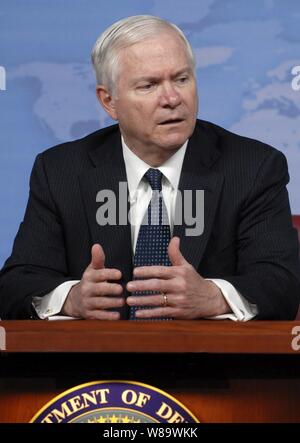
(182, 79)
(146, 86)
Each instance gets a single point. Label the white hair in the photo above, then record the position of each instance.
(122, 34)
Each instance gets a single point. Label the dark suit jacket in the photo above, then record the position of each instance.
(248, 237)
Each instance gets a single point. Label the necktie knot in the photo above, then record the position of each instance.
(154, 177)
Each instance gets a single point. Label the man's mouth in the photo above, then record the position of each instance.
(171, 121)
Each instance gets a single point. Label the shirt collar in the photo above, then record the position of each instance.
(136, 167)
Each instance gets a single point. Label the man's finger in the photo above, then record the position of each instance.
(154, 271)
(147, 300)
(104, 288)
(106, 303)
(103, 315)
(101, 275)
(168, 312)
(98, 257)
(175, 256)
(152, 284)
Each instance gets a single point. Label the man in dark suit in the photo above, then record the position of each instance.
(67, 259)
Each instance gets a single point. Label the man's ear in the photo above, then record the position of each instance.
(107, 101)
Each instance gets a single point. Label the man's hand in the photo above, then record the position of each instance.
(93, 295)
(189, 296)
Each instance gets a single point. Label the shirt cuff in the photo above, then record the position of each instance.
(242, 310)
(52, 303)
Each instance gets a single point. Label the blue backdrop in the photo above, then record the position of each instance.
(245, 52)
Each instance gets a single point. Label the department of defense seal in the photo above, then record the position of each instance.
(115, 401)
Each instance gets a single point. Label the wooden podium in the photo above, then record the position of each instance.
(222, 371)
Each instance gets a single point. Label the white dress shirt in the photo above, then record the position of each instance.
(140, 194)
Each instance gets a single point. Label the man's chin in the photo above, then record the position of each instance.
(173, 143)
(175, 137)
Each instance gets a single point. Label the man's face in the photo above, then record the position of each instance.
(156, 98)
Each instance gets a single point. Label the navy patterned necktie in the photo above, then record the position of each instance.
(154, 235)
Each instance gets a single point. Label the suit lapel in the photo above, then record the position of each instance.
(197, 174)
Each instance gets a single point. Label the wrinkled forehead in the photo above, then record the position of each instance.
(165, 51)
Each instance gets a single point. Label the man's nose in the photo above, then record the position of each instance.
(169, 96)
